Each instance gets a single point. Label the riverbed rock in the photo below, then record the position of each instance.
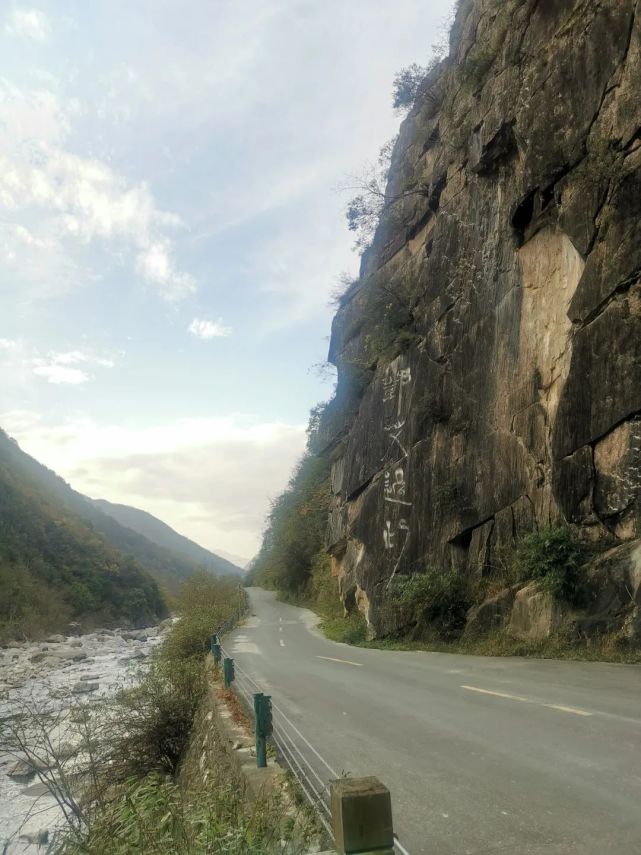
(55, 639)
(82, 688)
(69, 654)
(36, 838)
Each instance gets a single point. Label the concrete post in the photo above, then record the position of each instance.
(362, 817)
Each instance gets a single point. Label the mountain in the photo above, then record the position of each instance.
(488, 401)
(161, 534)
(495, 327)
(55, 565)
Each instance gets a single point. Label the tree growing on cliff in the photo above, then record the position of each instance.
(405, 86)
(365, 209)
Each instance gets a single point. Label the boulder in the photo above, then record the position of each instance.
(69, 654)
(535, 614)
(613, 583)
(36, 838)
(38, 657)
(24, 770)
(73, 628)
(55, 639)
(492, 613)
(85, 687)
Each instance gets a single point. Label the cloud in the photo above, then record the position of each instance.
(8, 344)
(62, 367)
(72, 201)
(210, 478)
(209, 329)
(55, 373)
(29, 23)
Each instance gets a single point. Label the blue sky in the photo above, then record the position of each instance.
(171, 232)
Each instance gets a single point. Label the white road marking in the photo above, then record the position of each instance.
(561, 708)
(521, 699)
(280, 629)
(282, 643)
(343, 661)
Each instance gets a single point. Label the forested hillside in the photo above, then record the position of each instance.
(56, 566)
(163, 535)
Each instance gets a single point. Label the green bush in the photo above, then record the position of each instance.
(552, 557)
(439, 597)
(348, 630)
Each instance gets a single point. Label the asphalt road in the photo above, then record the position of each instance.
(481, 755)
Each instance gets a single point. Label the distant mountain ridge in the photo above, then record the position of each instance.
(163, 535)
(57, 562)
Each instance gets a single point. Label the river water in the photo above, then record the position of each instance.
(59, 673)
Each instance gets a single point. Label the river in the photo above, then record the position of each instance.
(60, 673)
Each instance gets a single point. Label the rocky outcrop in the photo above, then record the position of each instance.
(489, 357)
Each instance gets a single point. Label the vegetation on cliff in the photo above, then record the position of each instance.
(293, 541)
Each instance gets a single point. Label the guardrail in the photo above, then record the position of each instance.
(330, 795)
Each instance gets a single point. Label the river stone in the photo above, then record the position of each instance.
(36, 838)
(21, 771)
(38, 657)
(75, 643)
(83, 688)
(67, 654)
(55, 639)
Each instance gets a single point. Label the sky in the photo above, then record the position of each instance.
(171, 232)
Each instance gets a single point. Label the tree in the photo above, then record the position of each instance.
(406, 83)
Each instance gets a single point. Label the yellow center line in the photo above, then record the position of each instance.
(343, 661)
(521, 699)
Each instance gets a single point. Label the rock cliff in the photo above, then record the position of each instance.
(489, 355)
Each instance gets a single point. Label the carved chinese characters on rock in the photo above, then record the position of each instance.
(396, 460)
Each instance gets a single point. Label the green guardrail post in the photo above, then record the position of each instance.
(216, 653)
(213, 641)
(228, 672)
(264, 727)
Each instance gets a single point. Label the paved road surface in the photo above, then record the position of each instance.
(482, 755)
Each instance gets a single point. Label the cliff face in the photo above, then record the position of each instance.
(489, 356)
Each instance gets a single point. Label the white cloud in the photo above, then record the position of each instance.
(55, 373)
(71, 201)
(62, 367)
(30, 23)
(8, 344)
(223, 471)
(209, 329)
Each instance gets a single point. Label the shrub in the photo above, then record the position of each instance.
(552, 557)
(350, 630)
(154, 720)
(441, 598)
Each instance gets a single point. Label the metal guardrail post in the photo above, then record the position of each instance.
(216, 653)
(228, 672)
(263, 726)
(362, 816)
